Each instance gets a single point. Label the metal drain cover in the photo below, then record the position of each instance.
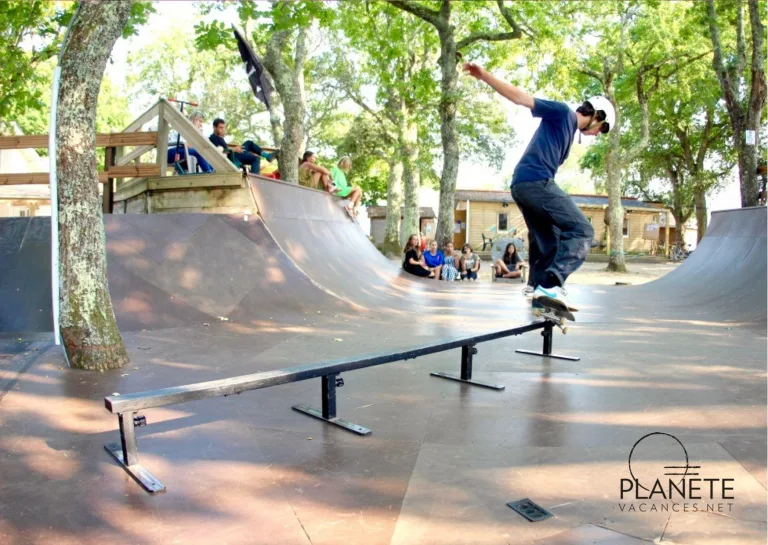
(530, 510)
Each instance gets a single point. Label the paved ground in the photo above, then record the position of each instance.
(683, 356)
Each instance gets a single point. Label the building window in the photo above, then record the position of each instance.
(625, 231)
(23, 212)
(503, 220)
(589, 219)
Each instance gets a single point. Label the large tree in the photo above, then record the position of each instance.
(442, 20)
(88, 328)
(390, 81)
(744, 90)
(686, 155)
(624, 51)
(280, 30)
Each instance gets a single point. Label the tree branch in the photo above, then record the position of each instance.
(758, 90)
(642, 98)
(422, 12)
(741, 47)
(705, 139)
(592, 73)
(487, 37)
(494, 36)
(727, 84)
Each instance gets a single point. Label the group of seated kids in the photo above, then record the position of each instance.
(333, 181)
(249, 153)
(447, 265)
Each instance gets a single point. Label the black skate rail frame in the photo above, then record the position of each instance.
(126, 406)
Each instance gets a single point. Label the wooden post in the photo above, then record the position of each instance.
(466, 233)
(666, 233)
(162, 140)
(108, 188)
(118, 155)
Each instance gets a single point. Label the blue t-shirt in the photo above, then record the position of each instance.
(433, 260)
(550, 144)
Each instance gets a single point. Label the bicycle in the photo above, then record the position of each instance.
(678, 252)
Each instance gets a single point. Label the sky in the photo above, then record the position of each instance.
(472, 175)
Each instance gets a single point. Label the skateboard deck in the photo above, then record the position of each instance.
(553, 311)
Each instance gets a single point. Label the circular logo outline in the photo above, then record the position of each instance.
(629, 461)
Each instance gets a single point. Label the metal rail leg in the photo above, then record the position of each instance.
(467, 351)
(328, 412)
(547, 348)
(126, 453)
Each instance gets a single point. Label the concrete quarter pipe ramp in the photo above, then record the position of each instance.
(164, 271)
(723, 280)
(303, 252)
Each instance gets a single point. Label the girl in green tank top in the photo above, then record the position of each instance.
(343, 189)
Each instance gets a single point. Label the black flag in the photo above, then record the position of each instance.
(255, 70)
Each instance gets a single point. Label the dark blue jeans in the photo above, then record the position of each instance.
(202, 163)
(251, 155)
(559, 236)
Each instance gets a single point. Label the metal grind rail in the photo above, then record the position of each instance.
(127, 406)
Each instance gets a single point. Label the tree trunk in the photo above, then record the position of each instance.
(750, 183)
(409, 151)
(88, 328)
(700, 201)
(448, 131)
(616, 259)
(742, 116)
(392, 244)
(276, 124)
(289, 82)
(680, 221)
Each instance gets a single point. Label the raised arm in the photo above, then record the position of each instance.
(507, 90)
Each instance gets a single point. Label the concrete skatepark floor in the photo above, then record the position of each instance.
(443, 459)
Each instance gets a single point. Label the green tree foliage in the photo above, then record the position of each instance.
(31, 32)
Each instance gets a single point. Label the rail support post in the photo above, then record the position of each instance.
(126, 452)
(328, 386)
(467, 353)
(547, 347)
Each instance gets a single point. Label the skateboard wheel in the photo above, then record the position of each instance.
(537, 313)
(565, 330)
(562, 321)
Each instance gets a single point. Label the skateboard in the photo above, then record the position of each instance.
(553, 311)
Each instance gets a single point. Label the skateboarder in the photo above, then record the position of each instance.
(560, 234)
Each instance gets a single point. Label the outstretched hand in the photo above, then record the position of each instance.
(474, 70)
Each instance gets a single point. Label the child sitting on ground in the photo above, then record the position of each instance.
(414, 262)
(434, 259)
(470, 263)
(509, 265)
(451, 265)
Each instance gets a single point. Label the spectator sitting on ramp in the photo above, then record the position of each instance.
(311, 174)
(554, 254)
(177, 153)
(247, 154)
(343, 189)
(414, 260)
